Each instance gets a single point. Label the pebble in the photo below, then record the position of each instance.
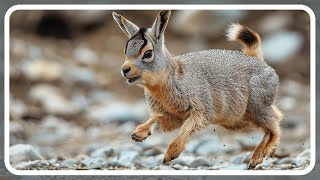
(54, 130)
(163, 167)
(303, 158)
(51, 99)
(118, 112)
(287, 103)
(127, 158)
(153, 151)
(241, 158)
(27, 165)
(85, 55)
(289, 42)
(285, 160)
(212, 147)
(234, 167)
(103, 152)
(81, 75)
(42, 70)
(69, 163)
(93, 163)
(178, 166)
(199, 161)
(23, 152)
(17, 109)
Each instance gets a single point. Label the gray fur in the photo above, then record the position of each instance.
(223, 87)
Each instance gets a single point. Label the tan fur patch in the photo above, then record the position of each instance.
(159, 91)
(218, 104)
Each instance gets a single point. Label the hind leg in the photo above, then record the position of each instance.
(275, 134)
(269, 122)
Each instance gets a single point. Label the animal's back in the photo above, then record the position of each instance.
(226, 80)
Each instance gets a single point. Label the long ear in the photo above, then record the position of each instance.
(125, 25)
(160, 23)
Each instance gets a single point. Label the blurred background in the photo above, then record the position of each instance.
(70, 108)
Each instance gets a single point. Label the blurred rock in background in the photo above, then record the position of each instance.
(71, 109)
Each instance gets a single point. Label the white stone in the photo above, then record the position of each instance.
(23, 152)
(42, 69)
(52, 99)
(281, 46)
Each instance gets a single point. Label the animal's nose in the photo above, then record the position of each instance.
(126, 70)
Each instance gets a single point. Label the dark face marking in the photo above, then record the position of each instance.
(136, 42)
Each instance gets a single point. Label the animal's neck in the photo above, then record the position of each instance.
(166, 90)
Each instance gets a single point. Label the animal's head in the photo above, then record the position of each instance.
(146, 54)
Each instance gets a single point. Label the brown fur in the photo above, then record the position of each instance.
(180, 69)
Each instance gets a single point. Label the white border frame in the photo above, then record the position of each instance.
(158, 7)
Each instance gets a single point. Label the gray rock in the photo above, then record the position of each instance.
(287, 103)
(53, 161)
(128, 127)
(52, 99)
(93, 163)
(42, 70)
(234, 167)
(103, 152)
(27, 165)
(212, 147)
(241, 158)
(153, 151)
(85, 55)
(177, 167)
(101, 97)
(44, 163)
(148, 162)
(250, 141)
(128, 158)
(54, 130)
(17, 109)
(69, 163)
(81, 75)
(193, 145)
(184, 159)
(163, 167)
(119, 112)
(17, 130)
(304, 154)
(23, 152)
(303, 158)
(199, 161)
(289, 42)
(35, 52)
(129, 147)
(286, 160)
(80, 101)
(269, 25)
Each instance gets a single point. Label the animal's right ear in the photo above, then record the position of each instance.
(125, 25)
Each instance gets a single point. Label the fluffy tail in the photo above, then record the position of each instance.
(249, 39)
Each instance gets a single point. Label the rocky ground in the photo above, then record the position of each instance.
(71, 109)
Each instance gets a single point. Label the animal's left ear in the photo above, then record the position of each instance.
(160, 23)
(125, 25)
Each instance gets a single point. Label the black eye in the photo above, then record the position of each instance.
(147, 54)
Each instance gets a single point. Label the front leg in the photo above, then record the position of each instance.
(143, 130)
(194, 123)
(163, 123)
